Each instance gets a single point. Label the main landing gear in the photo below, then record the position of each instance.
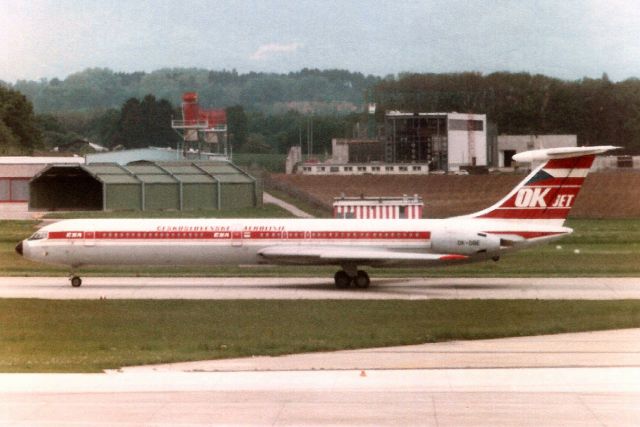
(75, 281)
(359, 278)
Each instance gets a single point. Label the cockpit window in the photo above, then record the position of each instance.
(39, 235)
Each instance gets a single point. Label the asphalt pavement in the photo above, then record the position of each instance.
(571, 379)
(320, 288)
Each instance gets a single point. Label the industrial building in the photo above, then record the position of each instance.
(149, 186)
(357, 150)
(411, 143)
(444, 141)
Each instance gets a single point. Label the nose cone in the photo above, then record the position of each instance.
(19, 248)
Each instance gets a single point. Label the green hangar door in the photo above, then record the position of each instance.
(237, 188)
(65, 188)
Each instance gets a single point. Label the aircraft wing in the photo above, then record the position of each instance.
(359, 255)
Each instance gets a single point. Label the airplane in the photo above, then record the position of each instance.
(532, 213)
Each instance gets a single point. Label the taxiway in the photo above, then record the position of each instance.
(447, 384)
(320, 288)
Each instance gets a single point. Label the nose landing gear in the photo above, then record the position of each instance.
(75, 281)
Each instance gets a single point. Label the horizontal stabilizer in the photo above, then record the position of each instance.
(560, 153)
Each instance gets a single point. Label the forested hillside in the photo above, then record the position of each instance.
(270, 112)
(101, 88)
(599, 111)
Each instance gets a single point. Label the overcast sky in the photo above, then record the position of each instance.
(559, 38)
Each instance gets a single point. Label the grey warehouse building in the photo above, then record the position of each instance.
(147, 186)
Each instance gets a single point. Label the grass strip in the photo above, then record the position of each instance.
(92, 335)
(316, 211)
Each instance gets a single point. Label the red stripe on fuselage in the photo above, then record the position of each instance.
(246, 235)
(453, 257)
(267, 235)
(528, 213)
(528, 234)
(71, 235)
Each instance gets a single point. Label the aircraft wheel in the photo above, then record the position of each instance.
(342, 279)
(76, 281)
(362, 280)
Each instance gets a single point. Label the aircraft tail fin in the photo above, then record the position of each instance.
(550, 190)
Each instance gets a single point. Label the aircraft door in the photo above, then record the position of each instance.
(89, 238)
(237, 236)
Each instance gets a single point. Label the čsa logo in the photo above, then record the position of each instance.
(535, 198)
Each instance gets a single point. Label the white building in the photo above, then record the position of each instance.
(362, 169)
(447, 141)
(467, 140)
(404, 207)
(616, 162)
(414, 143)
(508, 145)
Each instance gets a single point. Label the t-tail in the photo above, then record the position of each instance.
(549, 192)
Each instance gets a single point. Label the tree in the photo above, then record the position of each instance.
(237, 125)
(256, 144)
(53, 133)
(18, 131)
(104, 127)
(131, 126)
(145, 123)
(9, 144)
(161, 133)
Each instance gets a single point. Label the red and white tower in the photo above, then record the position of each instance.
(199, 126)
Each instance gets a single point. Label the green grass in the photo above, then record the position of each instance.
(606, 248)
(88, 336)
(306, 207)
(268, 162)
(604, 231)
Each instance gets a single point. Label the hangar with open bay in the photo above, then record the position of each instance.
(186, 185)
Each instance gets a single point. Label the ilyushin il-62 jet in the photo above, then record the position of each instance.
(532, 213)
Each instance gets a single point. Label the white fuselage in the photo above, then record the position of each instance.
(205, 242)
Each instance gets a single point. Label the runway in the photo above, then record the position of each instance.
(320, 288)
(521, 386)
